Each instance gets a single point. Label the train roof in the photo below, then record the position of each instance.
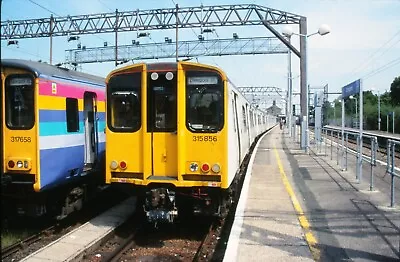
(45, 70)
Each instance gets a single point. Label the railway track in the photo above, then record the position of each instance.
(366, 144)
(20, 245)
(191, 240)
(55, 230)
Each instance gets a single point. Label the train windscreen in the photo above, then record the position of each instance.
(204, 102)
(123, 96)
(19, 104)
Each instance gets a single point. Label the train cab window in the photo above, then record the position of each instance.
(72, 112)
(123, 94)
(205, 102)
(19, 93)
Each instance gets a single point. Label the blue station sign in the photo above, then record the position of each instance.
(351, 89)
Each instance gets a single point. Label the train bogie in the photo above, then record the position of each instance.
(52, 134)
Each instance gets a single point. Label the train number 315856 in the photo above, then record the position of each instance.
(205, 139)
(21, 139)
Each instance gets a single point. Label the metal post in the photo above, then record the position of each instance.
(116, 37)
(303, 82)
(393, 121)
(392, 176)
(347, 143)
(387, 123)
(331, 143)
(343, 122)
(357, 158)
(176, 34)
(373, 162)
(356, 109)
(379, 112)
(361, 128)
(51, 38)
(334, 113)
(326, 140)
(290, 89)
(337, 151)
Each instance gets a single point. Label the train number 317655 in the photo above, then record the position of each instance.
(21, 139)
(205, 139)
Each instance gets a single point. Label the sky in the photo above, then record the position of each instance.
(364, 42)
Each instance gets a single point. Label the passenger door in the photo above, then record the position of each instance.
(162, 125)
(90, 128)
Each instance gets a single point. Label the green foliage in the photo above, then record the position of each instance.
(395, 91)
(370, 110)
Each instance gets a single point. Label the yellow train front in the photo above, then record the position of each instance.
(167, 136)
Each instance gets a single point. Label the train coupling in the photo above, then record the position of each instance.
(160, 205)
(161, 216)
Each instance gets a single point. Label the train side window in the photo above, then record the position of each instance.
(72, 112)
(244, 116)
(234, 114)
(19, 93)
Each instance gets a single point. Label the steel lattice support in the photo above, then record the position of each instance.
(155, 19)
(214, 47)
(263, 90)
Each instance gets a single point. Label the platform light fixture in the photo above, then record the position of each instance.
(288, 32)
(143, 34)
(12, 42)
(73, 38)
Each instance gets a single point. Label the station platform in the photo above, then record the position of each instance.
(302, 207)
(71, 247)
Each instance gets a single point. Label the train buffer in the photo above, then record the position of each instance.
(303, 207)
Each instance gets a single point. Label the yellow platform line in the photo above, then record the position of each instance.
(311, 240)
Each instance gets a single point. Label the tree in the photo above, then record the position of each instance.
(395, 91)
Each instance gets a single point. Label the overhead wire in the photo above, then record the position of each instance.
(371, 57)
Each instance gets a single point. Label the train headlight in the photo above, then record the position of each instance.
(194, 167)
(113, 164)
(154, 76)
(19, 164)
(205, 167)
(122, 165)
(216, 168)
(169, 76)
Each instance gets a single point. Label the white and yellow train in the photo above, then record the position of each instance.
(177, 134)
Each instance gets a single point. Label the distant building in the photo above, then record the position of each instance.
(274, 109)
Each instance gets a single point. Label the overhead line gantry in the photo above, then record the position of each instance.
(168, 18)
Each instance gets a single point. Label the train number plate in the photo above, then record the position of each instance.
(205, 139)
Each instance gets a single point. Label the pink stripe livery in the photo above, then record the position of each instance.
(67, 90)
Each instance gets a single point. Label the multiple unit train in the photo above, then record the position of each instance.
(177, 134)
(52, 137)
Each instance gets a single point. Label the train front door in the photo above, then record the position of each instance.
(90, 128)
(162, 123)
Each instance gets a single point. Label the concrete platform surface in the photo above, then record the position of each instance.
(72, 245)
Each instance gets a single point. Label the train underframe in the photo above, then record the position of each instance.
(164, 203)
(57, 203)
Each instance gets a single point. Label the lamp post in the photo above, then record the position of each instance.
(379, 111)
(352, 97)
(290, 91)
(334, 112)
(288, 32)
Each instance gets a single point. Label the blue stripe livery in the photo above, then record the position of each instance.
(64, 170)
(61, 116)
(60, 128)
